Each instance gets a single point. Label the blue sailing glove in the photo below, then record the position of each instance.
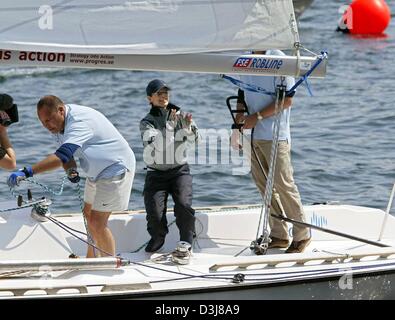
(73, 175)
(17, 176)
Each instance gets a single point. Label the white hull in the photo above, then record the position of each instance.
(331, 267)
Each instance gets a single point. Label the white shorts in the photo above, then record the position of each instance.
(107, 195)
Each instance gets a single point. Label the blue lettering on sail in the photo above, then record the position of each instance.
(258, 63)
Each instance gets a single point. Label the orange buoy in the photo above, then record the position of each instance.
(367, 17)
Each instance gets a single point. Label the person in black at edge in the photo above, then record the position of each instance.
(167, 132)
(8, 115)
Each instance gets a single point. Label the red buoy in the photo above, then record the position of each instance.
(367, 17)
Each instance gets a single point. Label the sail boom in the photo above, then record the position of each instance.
(266, 65)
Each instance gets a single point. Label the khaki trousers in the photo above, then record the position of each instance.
(285, 193)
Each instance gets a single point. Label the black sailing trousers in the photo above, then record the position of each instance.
(158, 185)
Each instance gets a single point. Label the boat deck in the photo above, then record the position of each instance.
(222, 266)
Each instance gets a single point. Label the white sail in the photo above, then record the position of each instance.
(146, 27)
(166, 35)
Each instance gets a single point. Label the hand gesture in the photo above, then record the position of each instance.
(171, 122)
(186, 121)
(173, 115)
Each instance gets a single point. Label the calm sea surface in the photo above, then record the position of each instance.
(343, 144)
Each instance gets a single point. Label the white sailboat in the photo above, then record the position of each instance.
(354, 260)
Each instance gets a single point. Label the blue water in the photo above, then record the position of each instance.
(343, 145)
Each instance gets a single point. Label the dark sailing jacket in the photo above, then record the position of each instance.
(166, 141)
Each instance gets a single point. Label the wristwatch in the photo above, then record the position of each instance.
(258, 115)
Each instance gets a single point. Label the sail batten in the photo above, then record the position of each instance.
(146, 27)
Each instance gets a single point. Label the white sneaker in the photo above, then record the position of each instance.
(182, 253)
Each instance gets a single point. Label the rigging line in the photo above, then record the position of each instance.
(247, 86)
(280, 275)
(68, 227)
(298, 275)
(337, 233)
(279, 106)
(264, 172)
(225, 273)
(160, 269)
(241, 251)
(307, 50)
(217, 277)
(186, 275)
(320, 58)
(26, 205)
(207, 276)
(79, 238)
(48, 189)
(196, 238)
